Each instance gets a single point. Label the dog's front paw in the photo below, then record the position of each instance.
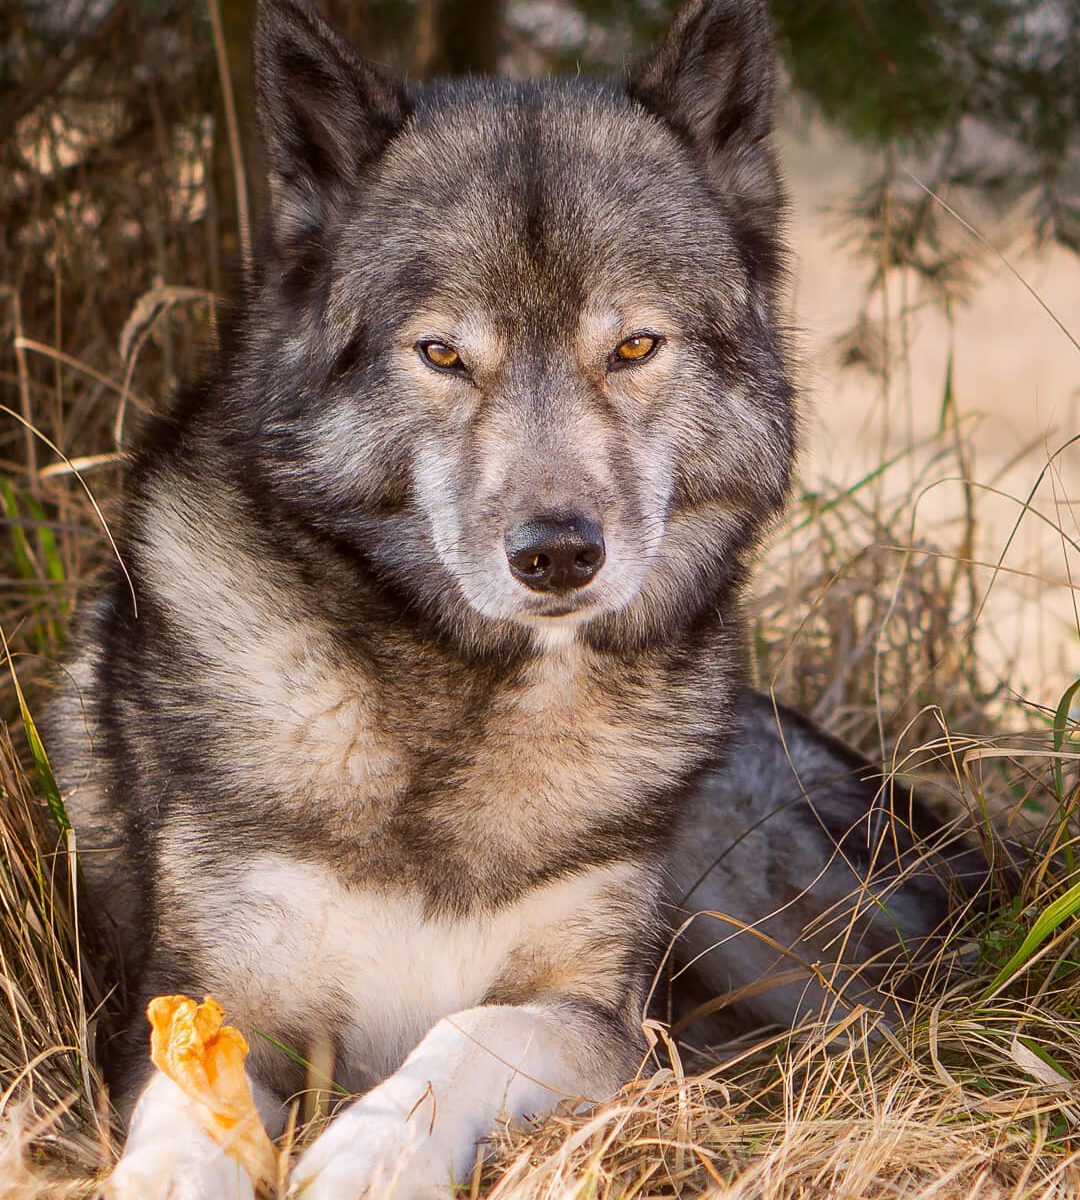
(179, 1170)
(369, 1156)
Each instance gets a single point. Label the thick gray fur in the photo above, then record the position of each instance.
(335, 707)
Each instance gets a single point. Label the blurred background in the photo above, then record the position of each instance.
(928, 570)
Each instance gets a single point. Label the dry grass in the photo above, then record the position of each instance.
(974, 1096)
(867, 614)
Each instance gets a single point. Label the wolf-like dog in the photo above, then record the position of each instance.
(423, 716)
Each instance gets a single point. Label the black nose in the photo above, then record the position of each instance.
(555, 554)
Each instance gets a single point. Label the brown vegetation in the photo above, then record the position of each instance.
(119, 221)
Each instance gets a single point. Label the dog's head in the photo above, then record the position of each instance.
(517, 344)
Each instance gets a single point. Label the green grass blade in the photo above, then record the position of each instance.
(50, 551)
(37, 749)
(1062, 719)
(1062, 730)
(1045, 1056)
(1050, 919)
(948, 396)
(20, 547)
(300, 1060)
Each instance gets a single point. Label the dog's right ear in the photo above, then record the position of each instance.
(324, 112)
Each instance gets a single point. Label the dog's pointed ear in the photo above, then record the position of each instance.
(324, 112)
(711, 79)
(711, 76)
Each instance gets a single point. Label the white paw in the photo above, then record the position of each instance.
(372, 1156)
(181, 1169)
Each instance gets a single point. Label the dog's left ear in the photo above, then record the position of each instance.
(711, 79)
(711, 76)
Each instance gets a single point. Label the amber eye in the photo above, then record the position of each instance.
(440, 355)
(633, 350)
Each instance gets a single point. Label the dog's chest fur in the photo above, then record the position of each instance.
(364, 973)
(464, 787)
(525, 778)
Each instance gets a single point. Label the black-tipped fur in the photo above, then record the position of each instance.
(712, 79)
(325, 114)
(340, 736)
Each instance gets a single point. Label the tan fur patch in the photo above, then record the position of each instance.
(296, 717)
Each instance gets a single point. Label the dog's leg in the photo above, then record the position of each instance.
(414, 1134)
(169, 1156)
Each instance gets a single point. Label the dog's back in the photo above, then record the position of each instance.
(804, 881)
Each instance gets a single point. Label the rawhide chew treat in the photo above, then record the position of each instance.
(204, 1057)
